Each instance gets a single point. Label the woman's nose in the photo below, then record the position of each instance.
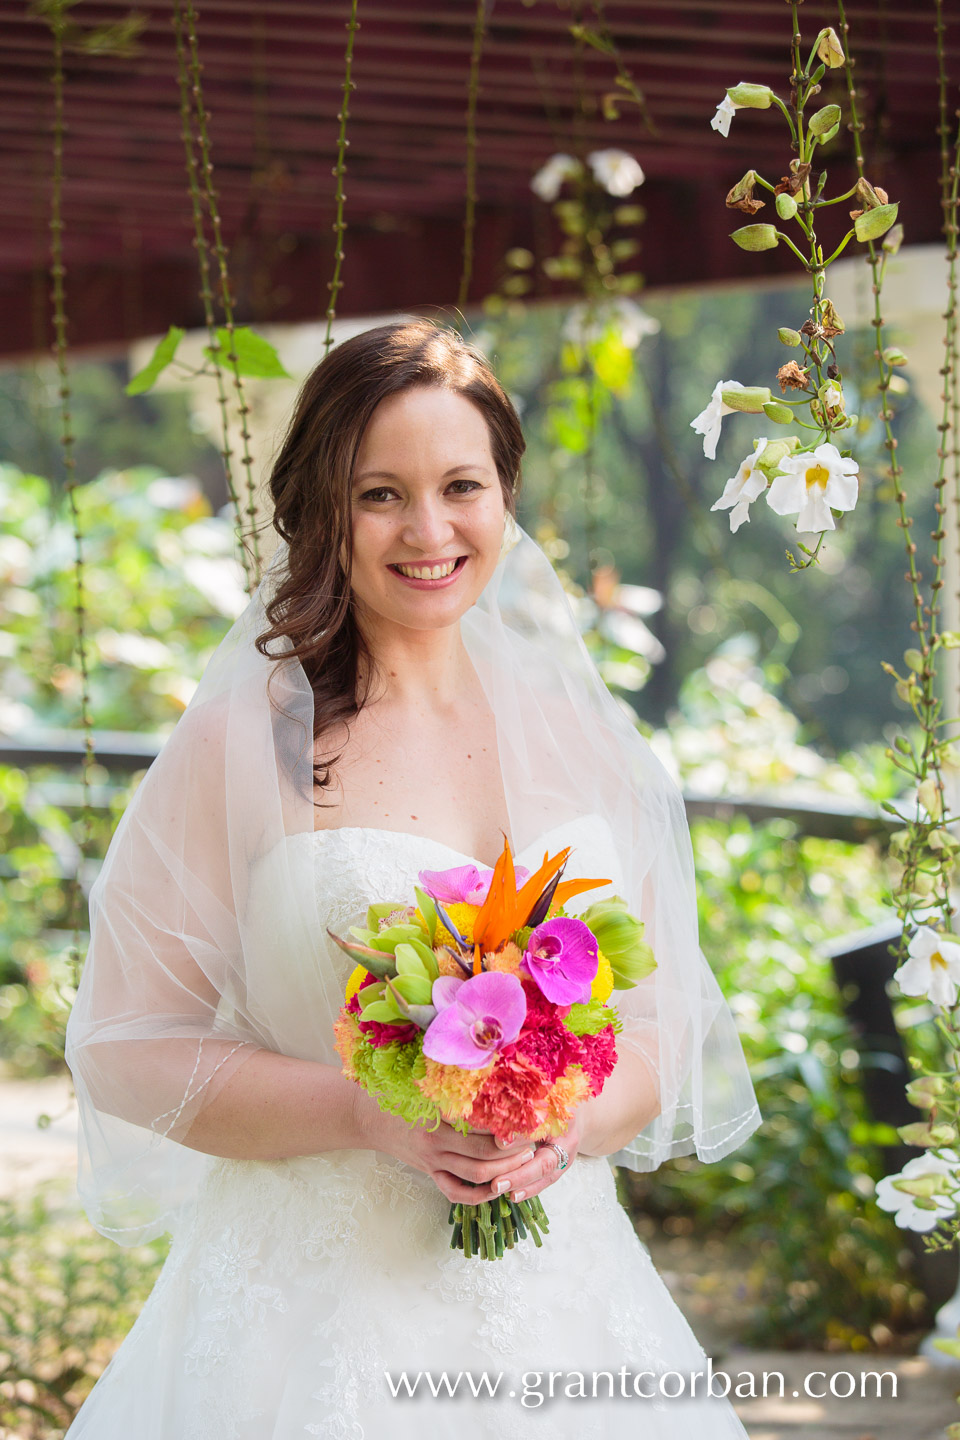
(427, 529)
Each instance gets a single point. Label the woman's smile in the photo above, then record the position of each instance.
(430, 575)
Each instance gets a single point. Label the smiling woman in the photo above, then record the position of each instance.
(312, 1253)
(437, 528)
(416, 407)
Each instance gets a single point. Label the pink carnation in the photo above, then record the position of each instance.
(544, 1040)
(598, 1056)
(512, 1100)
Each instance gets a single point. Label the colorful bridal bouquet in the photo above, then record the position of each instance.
(485, 1005)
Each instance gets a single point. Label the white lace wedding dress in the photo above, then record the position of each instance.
(299, 1286)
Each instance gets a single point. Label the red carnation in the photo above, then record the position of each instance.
(511, 1101)
(598, 1056)
(547, 1043)
(375, 1030)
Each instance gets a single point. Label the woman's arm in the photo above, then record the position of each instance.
(275, 1106)
(629, 1100)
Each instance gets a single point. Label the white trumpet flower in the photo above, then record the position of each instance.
(810, 483)
(745, 486)
(932, 968)
(616, 170)
(550, 177)
(707, 423)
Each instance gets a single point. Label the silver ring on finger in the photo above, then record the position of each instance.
(563, 1156)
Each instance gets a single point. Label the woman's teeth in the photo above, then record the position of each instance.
(427, 572)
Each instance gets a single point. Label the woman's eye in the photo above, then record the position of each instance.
(381, 490)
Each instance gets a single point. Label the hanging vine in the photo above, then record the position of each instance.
(339, 225)
(200, 168)
(811, 479)
(55, 14)
(473, 93)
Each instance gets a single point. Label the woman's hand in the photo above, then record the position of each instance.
(464, 1168)
(544, 1169)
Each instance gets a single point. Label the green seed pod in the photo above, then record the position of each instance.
(824, 120)
(749, 401)
(779, 413)
(874, 223)
(750, 97)
(756, 237)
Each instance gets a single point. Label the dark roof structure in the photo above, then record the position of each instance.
(273, 83)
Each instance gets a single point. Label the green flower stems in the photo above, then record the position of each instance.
(496, 1225)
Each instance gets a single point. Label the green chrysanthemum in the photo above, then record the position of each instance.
(591, 1018)
(388, 1073)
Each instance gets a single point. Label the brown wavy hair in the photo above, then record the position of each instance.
(311, 488)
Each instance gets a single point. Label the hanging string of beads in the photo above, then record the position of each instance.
(339, 170)
(55, 14)
(919, 686)
(473, 92)
(199, 161)
(948, 452)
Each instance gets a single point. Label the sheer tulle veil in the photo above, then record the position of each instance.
(178, 989)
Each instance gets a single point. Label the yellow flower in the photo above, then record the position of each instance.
(507, 960)
(602, 986)
(453, 1089)
(447, 965)
(357, 978)
(463, 916)
(566, 1094)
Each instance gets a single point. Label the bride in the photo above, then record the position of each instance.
(407, 689)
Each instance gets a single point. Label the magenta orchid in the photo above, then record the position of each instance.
(475, 1018)
(466, 884)
(561, 956)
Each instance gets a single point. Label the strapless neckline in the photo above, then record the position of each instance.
(442, 844)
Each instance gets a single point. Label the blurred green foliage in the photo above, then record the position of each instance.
(162, 586)
(67, 1298)
(831, 1268)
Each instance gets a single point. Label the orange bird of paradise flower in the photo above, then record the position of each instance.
(507, 909)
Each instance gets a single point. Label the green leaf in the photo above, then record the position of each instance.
(874, 223)
(830, 134)
(255, 356)
(163, 354)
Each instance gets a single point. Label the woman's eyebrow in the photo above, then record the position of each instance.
(388, 475)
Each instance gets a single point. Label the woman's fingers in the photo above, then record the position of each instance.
(485, 1172)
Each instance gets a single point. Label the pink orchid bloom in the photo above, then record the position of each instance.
(466, 884)
(475, 1018)
(561, 956)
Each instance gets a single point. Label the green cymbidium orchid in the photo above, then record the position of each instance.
(618, 933)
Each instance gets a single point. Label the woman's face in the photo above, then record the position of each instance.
(425, 494)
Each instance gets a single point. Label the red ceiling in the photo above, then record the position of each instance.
(273, 81)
